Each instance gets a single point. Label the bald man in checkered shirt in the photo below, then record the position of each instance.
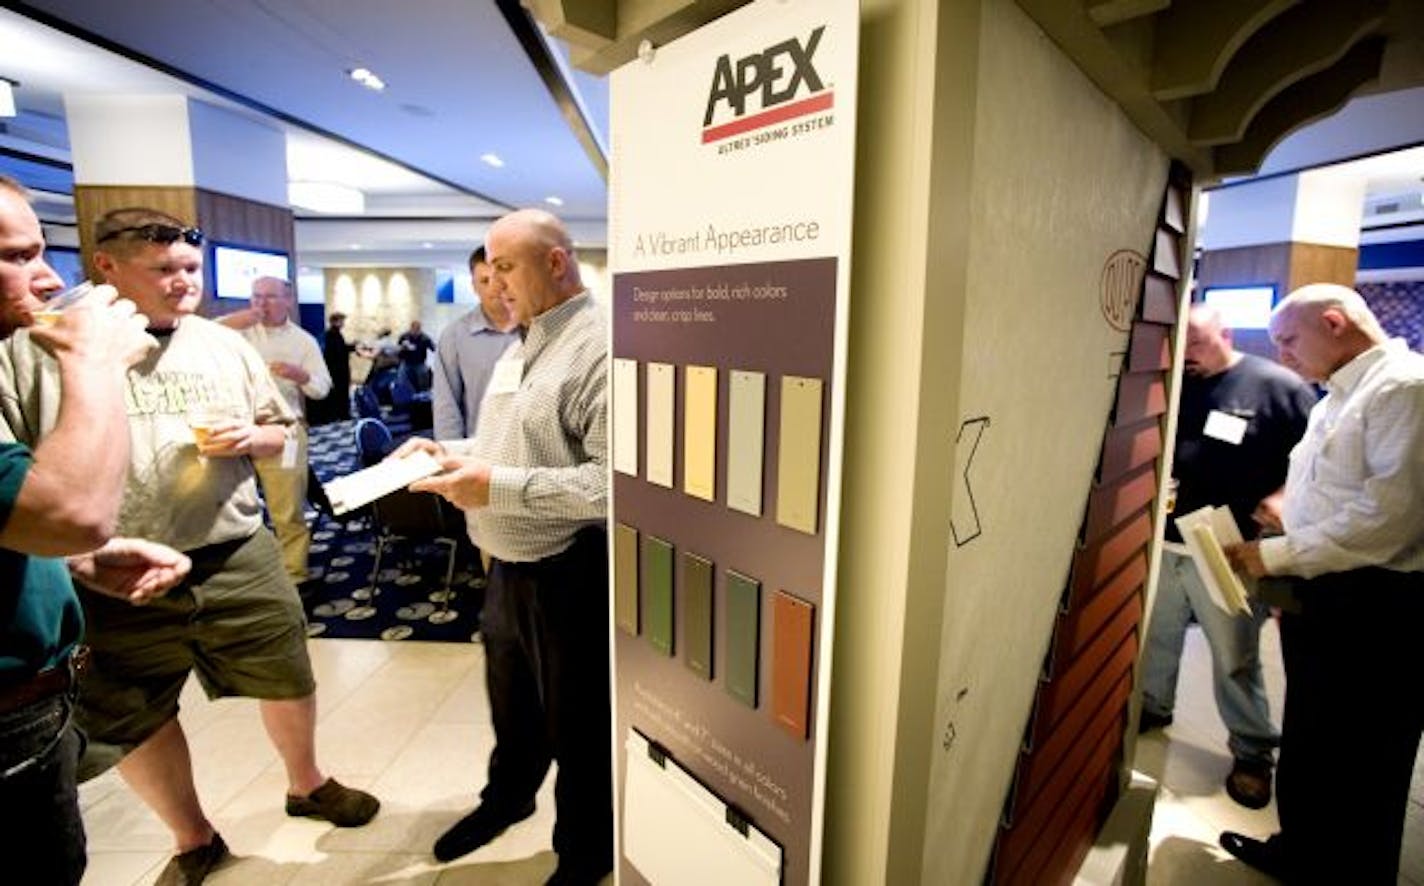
(533, 484)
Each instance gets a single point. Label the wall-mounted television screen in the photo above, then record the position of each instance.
(1242, 307)
(235, 267)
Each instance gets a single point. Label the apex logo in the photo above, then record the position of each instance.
(778, 74)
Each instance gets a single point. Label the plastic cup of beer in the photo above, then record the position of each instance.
(206, 420)
(58, 304)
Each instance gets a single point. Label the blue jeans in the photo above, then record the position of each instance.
(40, 827)
(1235, 658)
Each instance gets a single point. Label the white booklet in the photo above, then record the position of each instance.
(1206, 531)
(365, 486)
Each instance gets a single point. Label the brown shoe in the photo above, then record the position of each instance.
(334, 802)
(192, 867)
(1250, 783)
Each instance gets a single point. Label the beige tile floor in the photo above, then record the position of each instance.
(1190, 761)
(409, 721)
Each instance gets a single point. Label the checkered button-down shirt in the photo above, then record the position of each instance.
(547, 440)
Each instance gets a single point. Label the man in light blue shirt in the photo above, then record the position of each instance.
(466, 354)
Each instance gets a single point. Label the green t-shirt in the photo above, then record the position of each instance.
(40, 618)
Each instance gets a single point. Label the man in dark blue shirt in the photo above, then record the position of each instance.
(1238, 419)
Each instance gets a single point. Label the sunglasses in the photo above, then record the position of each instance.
(158, 233)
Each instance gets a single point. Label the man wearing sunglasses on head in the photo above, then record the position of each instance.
(200, 407)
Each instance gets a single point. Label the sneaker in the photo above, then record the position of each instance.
(334, 802)
(1150, 721)
(476, 829)
(192, 867)
(1250, 783)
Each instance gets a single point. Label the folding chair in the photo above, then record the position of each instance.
(416, 516)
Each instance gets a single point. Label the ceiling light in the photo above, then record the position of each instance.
(492, 159)
(554, 201)
(328, 197)
(367, 78)
(7, 97)
(355, 245)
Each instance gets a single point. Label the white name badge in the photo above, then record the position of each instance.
(506, 376)
(289, 453)
(1226, 428)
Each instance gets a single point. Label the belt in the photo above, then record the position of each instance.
(48, 682)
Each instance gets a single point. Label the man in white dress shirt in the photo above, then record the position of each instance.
(1352, 537)
(295, 361)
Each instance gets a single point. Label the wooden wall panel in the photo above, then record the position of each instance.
(1112, 651)
(1113, 502)
(92, 201)
(1159, 300)
(1129, 446)
(1107, 702)
(1150, 348)
(1079, 625)
(1068, 769)
(230, 219)
(222, 217)
(1139, 396)
(1096, 563)
(1314, 263)
(1245, 265)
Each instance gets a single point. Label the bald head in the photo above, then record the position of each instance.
(532, 263)
(1320, 327)
(1209, 349)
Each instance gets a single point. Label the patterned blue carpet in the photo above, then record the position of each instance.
(410, 601)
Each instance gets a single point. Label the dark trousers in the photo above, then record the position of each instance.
(41, 832)
(1346, 757)
(545, 627)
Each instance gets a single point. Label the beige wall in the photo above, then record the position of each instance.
(1062, 180)
(993, 182)
(378, 298)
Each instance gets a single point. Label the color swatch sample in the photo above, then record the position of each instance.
(657, 593)
(625, 416)
(661, 391)
(746, 427)
(625, 578)
(697, 614)
(743, 648)
(792, 621)
(798, 463)
(699, 432)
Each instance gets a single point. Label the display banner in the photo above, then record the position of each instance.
(732, 177)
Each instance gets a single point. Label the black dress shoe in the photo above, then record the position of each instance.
(477, 829)
(1150, 721)
(1267, 856)
(572, 873)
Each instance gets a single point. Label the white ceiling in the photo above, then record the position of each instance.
(458, 85)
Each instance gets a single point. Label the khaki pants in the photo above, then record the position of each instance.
(285, 490)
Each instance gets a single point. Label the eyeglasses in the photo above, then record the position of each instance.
(158, 233)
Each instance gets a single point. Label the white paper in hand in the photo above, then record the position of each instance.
(365, 486)
(1206, 532)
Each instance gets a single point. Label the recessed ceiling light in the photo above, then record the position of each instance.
(427, 245)
(492, 159)
(554, 201)
(367, 78)
(355, 245)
